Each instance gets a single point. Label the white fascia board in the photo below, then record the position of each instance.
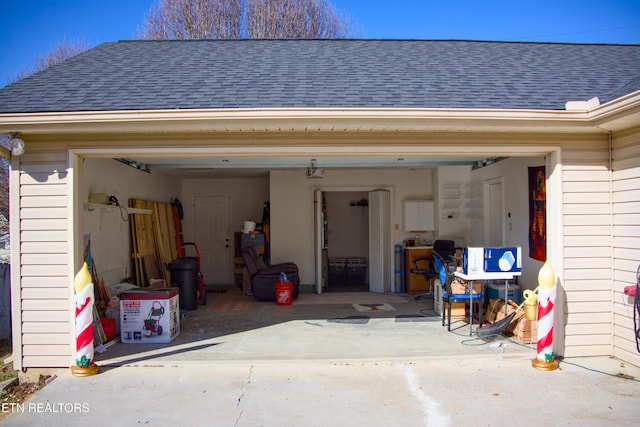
(230, 120)
(619, 114)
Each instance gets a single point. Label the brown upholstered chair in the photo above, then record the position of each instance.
(263, 277)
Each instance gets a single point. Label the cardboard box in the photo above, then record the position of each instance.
(495, 311)
(492, 310)
(501, 313)
(458, 311)
(149, 316)
(480, 261)
(254, 239)
(511, 307)
(527, 331)
(458, 287)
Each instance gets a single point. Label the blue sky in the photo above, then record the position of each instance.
(31, 28)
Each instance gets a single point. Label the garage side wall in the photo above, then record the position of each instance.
(586, 189)
(44, 319)
(626, 241)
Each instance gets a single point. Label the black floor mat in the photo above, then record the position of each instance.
(354, 320)
(350, 287)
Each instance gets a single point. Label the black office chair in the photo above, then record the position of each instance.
(446, 249)
(427, 271)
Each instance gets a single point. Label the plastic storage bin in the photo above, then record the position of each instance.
(337, 271)
(356, 271)
(496, 291)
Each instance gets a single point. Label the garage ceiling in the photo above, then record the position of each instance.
(252, 166)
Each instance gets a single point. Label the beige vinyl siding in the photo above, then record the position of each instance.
(46, 315)
(626, 240)
(587, 249)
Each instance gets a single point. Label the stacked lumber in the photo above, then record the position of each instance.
(101, 292)
(153, 238)
(102, 296)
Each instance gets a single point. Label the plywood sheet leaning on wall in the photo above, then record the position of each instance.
(152, 235)
(165, 235)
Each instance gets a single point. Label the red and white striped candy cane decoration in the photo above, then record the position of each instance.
(84, 298)
(546, 301)
(84, 327)
(545, 358)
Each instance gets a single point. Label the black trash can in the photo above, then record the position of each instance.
(184, 275)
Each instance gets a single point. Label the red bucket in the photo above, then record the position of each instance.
(284, 293)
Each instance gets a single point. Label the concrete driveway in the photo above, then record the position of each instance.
(329, 364)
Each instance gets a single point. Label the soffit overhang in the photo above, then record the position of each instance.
(620, 114)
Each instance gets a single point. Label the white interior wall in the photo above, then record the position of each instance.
(291, 197)
(292, 206)
(110, 230)
(516, 203)
(247, 197)
(348, 226)
(456, 228)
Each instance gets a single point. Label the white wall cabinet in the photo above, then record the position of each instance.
(419, 215)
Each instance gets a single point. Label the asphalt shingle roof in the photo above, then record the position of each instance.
(134, 75)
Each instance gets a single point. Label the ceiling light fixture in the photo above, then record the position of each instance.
(313, 171)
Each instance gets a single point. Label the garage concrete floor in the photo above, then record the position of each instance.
(234, 327)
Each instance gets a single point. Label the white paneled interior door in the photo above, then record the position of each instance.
(213, 237)
(379, 242)
(319, 240)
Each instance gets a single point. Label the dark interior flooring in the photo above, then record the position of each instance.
(347, 287)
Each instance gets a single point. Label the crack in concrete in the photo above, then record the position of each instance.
(242, 394)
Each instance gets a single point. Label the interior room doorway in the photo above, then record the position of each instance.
(347, 217)
(352, 241)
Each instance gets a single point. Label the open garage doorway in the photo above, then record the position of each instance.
(294, 199)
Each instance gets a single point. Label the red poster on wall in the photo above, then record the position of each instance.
(537, 213)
